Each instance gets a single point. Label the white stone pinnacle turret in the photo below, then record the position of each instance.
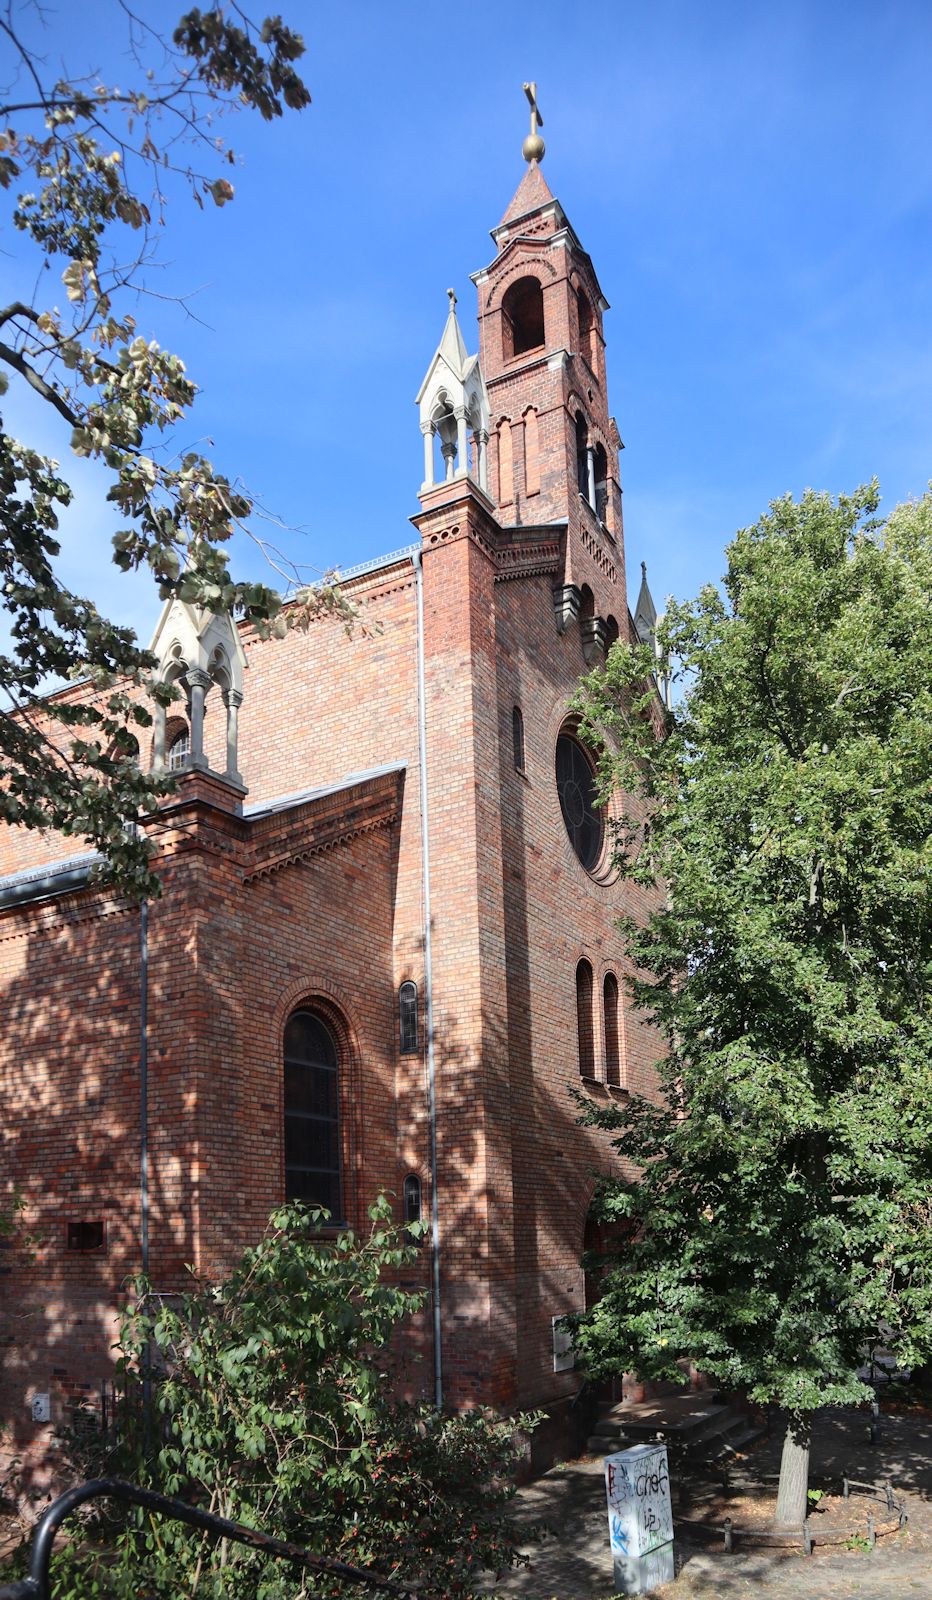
(199, 649)
(453, 404)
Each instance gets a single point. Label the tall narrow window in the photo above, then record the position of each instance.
(506, 474)
(407, 1019)
(531, 453)
(612, 1041)
(517, 734)
(584, 1020)
(601, 483)
(412, 1205)
(582, 456)
(312, 1123)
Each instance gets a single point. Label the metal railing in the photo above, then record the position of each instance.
(36, 1586)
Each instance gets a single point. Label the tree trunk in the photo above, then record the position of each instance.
(792, 1503)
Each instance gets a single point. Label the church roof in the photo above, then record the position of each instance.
(286, 802)
(532, 192)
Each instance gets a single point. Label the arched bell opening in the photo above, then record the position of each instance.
(522, 318)
(586, 323)
(582, 456)
(600, 465)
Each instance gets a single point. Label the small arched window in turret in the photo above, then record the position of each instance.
(522, 318)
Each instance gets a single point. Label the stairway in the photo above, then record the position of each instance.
(695, 1427)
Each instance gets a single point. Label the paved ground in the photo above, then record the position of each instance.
(572, 1562)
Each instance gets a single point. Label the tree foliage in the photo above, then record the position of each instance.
(780, 1200)
(90, 169)
(273, 1407)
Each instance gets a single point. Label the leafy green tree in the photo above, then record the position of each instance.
(90, 169)
(273, 1406)
(779, 1198)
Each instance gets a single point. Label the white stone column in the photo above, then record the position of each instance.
(233, 699)
(482, 445)
(158, 737)
(428, 432)
(462, 443)
(590, 469)
(198, 685)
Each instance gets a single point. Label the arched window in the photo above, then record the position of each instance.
(179, 751)
(611, 1020)
(412, 1203)
(611, 631)
(584, 313)
(517, 736)
(506, 473)
(407, 1019)
(531, 453)
(584, 1027)
(582, 456)
(601, 482)
(522, 318)
(578, 792)
(312, 1122)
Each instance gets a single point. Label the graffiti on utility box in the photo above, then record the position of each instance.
(640, 1517)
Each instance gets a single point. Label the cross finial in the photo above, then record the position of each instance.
(451, 296)
(533, 147)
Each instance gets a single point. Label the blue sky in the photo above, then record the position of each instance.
(752, 181)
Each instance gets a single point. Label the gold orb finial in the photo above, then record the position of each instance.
(533, 147)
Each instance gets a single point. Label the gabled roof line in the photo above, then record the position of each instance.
(287, 802)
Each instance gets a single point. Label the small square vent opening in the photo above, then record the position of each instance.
(85, 1236)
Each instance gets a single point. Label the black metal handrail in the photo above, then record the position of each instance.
(36, 1586)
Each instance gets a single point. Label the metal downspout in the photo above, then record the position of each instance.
(144, 1082)
(416, 562)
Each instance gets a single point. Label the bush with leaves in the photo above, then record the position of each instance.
(272, 1405)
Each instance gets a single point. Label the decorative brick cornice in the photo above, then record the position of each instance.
(93, 903)
(602, 560)
(530, 558)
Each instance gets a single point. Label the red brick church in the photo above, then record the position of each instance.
(385, 954)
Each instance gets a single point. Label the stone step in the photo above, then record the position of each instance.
(701, 1428)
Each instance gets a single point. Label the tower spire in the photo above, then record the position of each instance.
(533, 147)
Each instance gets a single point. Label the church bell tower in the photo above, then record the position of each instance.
(553, 447)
